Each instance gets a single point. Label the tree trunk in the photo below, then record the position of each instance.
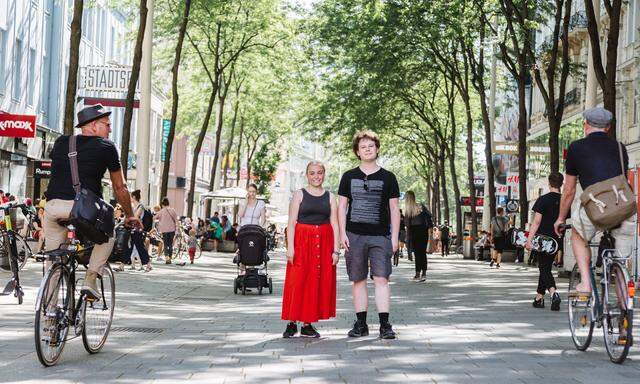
(522, 147)
(436, 195)
(230, 144)
(222, 97)
(174, 101)
(131, 91)
(454, 173)
(470, 173)
(196, 153)
(490, 177)
(554, 144)
(74, 58)
(250, 152)
(443, 183)
(239, 152)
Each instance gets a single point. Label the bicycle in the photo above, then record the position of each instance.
(610, 308)
(17, 256)
(58, 309)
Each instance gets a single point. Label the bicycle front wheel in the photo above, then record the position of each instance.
(581, 321)
(24, 251)
(198, 250)
(52, 312)
(178, 250)
(98, 315)
(617, 320)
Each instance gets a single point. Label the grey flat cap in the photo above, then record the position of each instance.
(598, 117)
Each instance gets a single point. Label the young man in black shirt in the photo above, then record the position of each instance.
(96, 154)
(546, 211)
(592, 159)
(445, 238)
(369, 220)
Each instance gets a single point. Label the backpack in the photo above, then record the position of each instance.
(146, 218)
(428, 218)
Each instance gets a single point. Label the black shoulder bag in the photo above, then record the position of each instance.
(92, 216)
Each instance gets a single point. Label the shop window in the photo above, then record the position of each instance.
(32, 76)
(3, 54)
(17, 70)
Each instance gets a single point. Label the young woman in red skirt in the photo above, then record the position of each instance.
(312, 254)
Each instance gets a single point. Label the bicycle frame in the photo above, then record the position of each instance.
(9, 240)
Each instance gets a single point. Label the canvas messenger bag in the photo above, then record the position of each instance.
(609, 202)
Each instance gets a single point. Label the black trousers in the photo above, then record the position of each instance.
(167, 239)
(444, 243)
(545, 264)
(419, 239)
(137, 238)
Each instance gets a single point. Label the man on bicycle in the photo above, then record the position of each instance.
(95, 154)
(592, 159)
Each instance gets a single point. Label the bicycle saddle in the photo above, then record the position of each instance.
(64, 222)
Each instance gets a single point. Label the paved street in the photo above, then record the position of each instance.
(467, 324)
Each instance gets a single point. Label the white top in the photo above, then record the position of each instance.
(252, 214)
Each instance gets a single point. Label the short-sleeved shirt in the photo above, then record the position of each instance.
(549, 207)
(595, 158)
(499, 226)
(95, 156)
(444, 232)
(369, 196)
(166, 218)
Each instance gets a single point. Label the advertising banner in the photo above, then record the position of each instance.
(17, 125)
(166, 126)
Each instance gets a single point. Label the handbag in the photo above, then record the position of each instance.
(609, 202)
(92, 216)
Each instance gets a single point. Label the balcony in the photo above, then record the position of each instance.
(572, 97)
(578, 21)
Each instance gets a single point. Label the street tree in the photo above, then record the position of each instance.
(74, 58)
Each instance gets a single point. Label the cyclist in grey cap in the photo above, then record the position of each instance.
(592, 159)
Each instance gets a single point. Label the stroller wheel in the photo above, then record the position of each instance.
(270, 285)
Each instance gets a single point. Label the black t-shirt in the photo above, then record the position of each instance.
(444, 232)
(95, 156)
(595, 158)
(549, 207)
(369, 196)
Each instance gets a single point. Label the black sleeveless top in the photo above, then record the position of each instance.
(314, 209)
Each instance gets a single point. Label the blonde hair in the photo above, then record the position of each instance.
(314, 162)
(411, 208)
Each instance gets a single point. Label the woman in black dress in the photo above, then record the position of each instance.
(415, 218)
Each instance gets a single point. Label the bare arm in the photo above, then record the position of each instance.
(533, 229)
(294, 206)
(243, 208)
(343, 202)
(121, 192)
(568, 194)
(263, 215)
(395, 222)
(335, 226)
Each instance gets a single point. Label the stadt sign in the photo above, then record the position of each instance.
(17, 125)
(107, 78)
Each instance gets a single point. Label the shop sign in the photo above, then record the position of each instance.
(166, 126)
(105, 78)
(17, 125)
(466, 201)
(42, 169)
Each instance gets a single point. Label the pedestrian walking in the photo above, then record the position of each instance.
(369, 219)
(546, 211)
(137, 237)
(167, 220)
(192, 243)
(445, 239)
(499, 227)
(418, 221)
(254, 211)
(312, 254)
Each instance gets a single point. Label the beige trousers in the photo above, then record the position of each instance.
(55, 234)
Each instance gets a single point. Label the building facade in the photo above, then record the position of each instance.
(34, 65)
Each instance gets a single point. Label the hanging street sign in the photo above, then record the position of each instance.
(106, 78)
(166, 126)
(17, 125)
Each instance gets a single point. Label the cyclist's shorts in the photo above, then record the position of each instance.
(624, 234)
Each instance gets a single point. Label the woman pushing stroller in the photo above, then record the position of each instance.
(312, 254)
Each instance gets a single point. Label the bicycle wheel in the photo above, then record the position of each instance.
(617, 320)
(581, 321)
(178, 249)
(198, 250)
(24, 251)
(98, 315)
(52, 311)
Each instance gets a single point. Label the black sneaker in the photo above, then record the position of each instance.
(386, 332)
(555, 301)
(491, 263)
(538, 303)
(359, 330)
(291, 330)
(309, 331)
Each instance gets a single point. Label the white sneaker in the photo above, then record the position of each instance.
(147, 268)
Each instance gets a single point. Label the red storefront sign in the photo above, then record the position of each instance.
(17, 125)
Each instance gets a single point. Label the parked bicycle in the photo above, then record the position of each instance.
(61, 308)
(13, 248)
(610, 304)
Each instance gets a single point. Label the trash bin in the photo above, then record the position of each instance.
(468, 251)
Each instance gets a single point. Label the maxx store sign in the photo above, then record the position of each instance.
(17, 125)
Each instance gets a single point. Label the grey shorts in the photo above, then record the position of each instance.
(365, 250)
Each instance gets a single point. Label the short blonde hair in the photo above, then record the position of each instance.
(314, 162)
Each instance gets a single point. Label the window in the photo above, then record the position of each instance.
(3, 54)
(17, 71)
(32, 76)
(631, 28)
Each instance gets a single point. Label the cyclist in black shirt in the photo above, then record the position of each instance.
(592, 159)
(96, 154)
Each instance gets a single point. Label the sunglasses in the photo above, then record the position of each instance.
(366, 183)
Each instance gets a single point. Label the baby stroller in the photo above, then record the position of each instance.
(252, 246)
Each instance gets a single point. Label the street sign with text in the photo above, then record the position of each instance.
(166, 126)
(105, 78)
(17, 125)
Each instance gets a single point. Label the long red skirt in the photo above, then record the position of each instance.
(310, 283)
